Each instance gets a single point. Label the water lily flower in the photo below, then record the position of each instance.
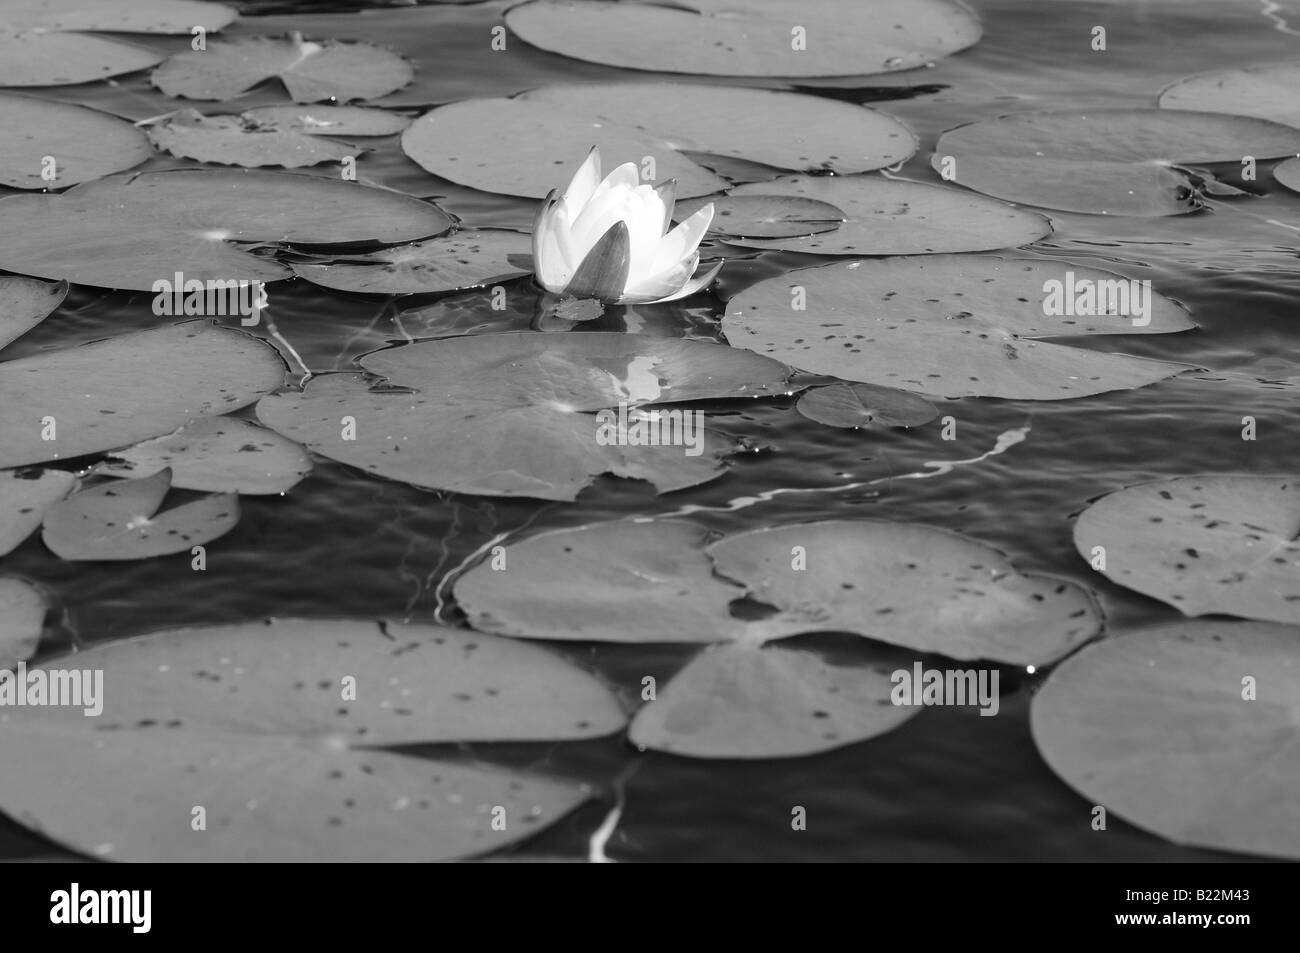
(609, 239)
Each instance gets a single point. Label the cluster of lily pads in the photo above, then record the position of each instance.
(246, 719)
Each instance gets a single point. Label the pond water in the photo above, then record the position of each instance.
(947, 785)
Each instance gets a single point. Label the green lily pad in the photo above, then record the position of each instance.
(1154, 726)
(1105, 161)
(961, 326)
(84, 143)
(25, 303)
(22, 619)
(865, 405)
(759, 38)
(218, 455)
(277, 731)
(310, 71)
(1288, 174)
(24, 498)
(467, 258)
(764, 216)
(1203, 544)
(897, 217)
(1265, 92)
(49, 42)
(112, 393)
(123, 231)
(321, 120)
(121, 520)
(230, 140)
(514, 414)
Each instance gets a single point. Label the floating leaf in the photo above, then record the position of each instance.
(1288, 174)
(1203, 544)
(128, 388)
(231, 140)
(897, 217)
(764, 216)
(84, 143)
(1107, 161)
(513, 414)
(328, 120)
(25, 303)
(758, 38)
(120, 520)
(24, 498)
(467, 258)
(862, 405)
(1153, 725)
(256, 723)
(1265, 92)
(956, 327)
(219, 455)
(311, 72)
(22, 619)
(39, 48)
(124, 231)
(523, 145)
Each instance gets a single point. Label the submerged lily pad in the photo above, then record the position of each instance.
(311, 72)
(24, 498)
(124, 231)
(514, 414)
(277, 732)
(467, 258)
(1265, 92)
(219, 455)
(963, 326)
(328, 120)
(48, 42)
(25, 303)
(1288, 174)
(1203, 544)
(524, 145)
(757, 38)
(864, 405)
(112, 393)
(764, 216)
(231, 140)
(1155, 725)
(897, 217)
(22, 619)
(1105, 161)
(121, 520)
(84, 143)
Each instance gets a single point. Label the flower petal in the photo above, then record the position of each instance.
(682, 241)
(657, 287)
(583, 183)
(603, 273)
(698, 283)
(598, 213)
(549, 262)
(667, 192)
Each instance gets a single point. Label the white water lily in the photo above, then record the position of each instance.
(609, 239)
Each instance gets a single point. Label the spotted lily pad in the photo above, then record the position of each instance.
(1288, 173)
(231, 140)
(311, 72)
(68, 142)
(321, 120)
(24, 498)
(757, 38)
(22, 619)
(514, 414)
(764, 216)
(1265, 92)
(958, 327)
(865, 405)
(123, 231)
(25, 303)
(1186, 730)
(1105, 161)
(49, 42)
(277, 732)
(112, 393)
(1203, 544)
(121, 520)
(217, 454)
(467, 258)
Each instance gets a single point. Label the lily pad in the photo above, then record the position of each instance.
(277, 731)
(1203, 544)
(219, 455)
(955, 327)
(467, 258)
(116, 392)
(120, 521)
(25, 303)
(1105, 161)
(1288, 174)
(328, 120)
(311, 72)
(514, 414)
(758, 38)
(24, 498)
(22, 619)
(48, 42)
(84, 143)
(897, 217)
(230, 140)
(1155, 726)
(1265, 92)
(124, 232)
(524, 145)
(764, 216)
(865, 405)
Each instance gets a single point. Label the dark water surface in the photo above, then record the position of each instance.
(947, 785)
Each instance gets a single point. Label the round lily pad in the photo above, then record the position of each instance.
(22, 619)
(25, 303)
(24, 497)
(230, 140)
(764, 216)
(865, 405)
(82, 143)
(1266, 92)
